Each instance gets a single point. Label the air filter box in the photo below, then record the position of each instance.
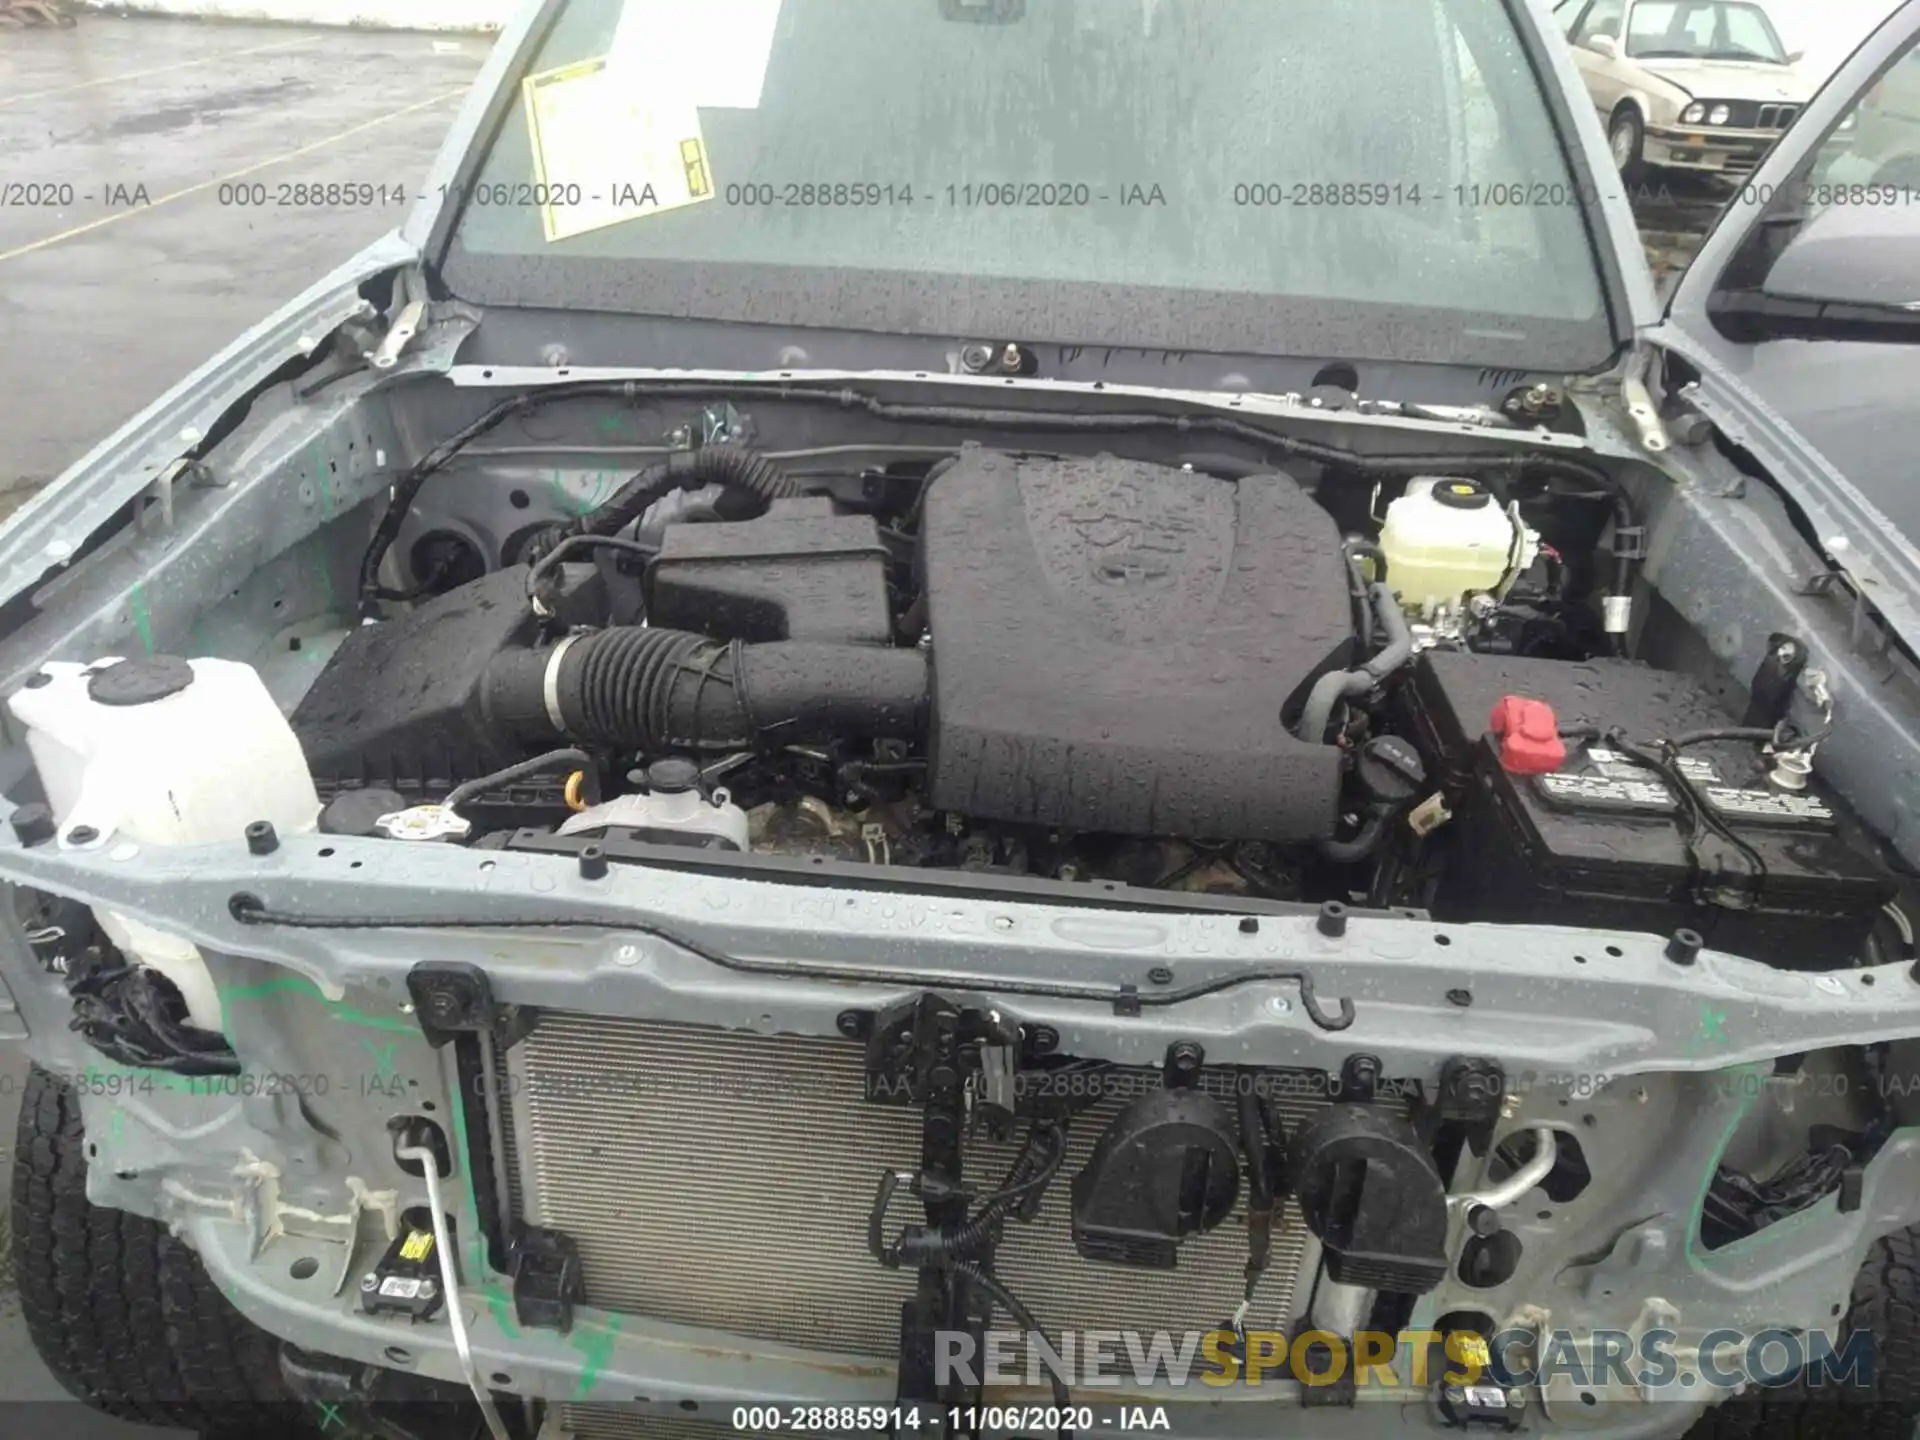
(798, 572)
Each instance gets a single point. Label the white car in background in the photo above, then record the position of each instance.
(1702, 85)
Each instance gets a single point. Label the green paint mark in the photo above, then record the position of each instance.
(117, 1129)
(502, 1307)
(298, 985)
(320, 480)
(599, 485)
(382, 1058)
(563, 497)
(142, 619)
(595, 1345)
(1712, 1031)
(611, 424)
(476, 1242)
(329, 1416)
(325, 573)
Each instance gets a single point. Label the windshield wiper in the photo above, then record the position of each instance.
(1667, 55)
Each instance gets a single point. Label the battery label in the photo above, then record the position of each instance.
(1641, 794)
(1626, 788)
(1615, 766)
(1769, 806)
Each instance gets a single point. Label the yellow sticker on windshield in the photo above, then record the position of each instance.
(606, 151)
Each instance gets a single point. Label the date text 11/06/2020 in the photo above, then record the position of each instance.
(815, 1420)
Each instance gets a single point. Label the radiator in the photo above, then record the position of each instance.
(723, 1178)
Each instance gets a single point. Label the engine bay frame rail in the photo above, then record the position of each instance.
(926, 880)
(1127, 1000)
(1548, 997)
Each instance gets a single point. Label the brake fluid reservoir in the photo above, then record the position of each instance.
(1445, 538)
(163, 751)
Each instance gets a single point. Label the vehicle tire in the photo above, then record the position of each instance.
(1886, 1304)
(123, 1314)
(1627, 141)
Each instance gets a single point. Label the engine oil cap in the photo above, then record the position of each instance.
(1529, 733)
(139, 682)
(1461, 494)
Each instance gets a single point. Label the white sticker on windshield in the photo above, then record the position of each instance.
(710, 52)
(605, 152)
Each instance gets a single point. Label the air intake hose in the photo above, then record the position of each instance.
(735, 467)
(658, 690)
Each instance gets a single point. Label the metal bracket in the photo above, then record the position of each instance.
(546, 1278)
(452, 998)
(917, 1049)
(399, 334)
(722, 425)
(1641, 411)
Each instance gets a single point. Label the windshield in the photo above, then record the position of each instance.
(1702, 30)
(1238, 175)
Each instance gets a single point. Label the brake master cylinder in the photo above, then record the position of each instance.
(162, 751)
(1445, 539)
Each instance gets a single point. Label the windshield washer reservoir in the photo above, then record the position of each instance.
(169, 752)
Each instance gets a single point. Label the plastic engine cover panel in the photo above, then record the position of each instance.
(1114, 643)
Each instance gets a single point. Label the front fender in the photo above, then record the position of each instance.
(51, 527)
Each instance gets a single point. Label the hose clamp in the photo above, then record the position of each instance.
(550, 685)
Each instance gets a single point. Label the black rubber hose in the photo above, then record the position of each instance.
(1023, 1317)
(733, 466)
(661, 690)
(1365, 841)
(539, 765)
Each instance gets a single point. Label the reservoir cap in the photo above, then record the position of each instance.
(139, 682)
(1461, 494)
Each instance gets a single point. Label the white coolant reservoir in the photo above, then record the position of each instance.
(1445, 538)
(163, 751)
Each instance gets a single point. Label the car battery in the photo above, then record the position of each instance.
(1604, 841)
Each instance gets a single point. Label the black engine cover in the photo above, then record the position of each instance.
(1115, 645)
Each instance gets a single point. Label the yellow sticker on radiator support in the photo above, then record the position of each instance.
(419, 1245)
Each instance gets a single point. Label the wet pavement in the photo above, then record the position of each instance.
(164, 186)
(158, 197)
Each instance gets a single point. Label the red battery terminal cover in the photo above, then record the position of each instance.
(1529, 736)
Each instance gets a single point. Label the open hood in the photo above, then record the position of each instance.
(1800, 317)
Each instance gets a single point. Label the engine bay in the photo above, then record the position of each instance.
(1283, 678)
(1216, 683)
